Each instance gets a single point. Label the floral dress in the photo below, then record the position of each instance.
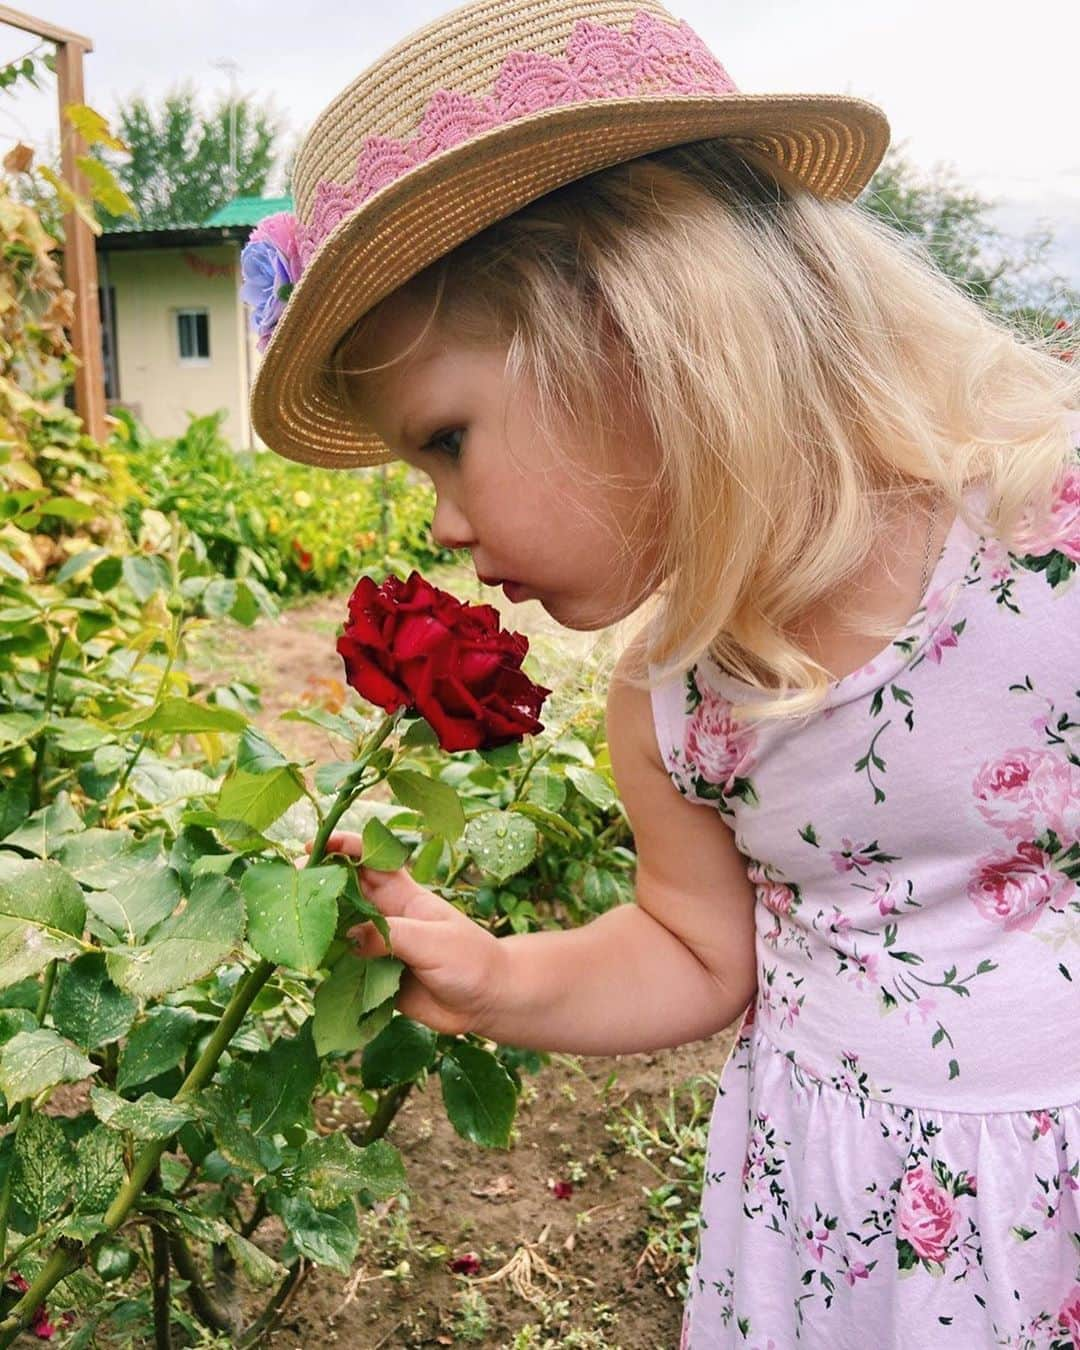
(894, 1153)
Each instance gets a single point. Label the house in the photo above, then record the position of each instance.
(176, 338)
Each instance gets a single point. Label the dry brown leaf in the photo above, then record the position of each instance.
(19, 158)
(495, 1189)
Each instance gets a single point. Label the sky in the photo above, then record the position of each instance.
(988, 91)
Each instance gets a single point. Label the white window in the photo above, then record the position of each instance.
(193, 335)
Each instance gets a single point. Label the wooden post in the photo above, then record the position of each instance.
(80, 259)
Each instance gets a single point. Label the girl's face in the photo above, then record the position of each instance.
(584, 546)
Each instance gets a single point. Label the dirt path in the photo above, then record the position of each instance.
(611, 1293)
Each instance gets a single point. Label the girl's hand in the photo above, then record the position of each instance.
(453, 964)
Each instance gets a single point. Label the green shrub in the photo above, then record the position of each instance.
(295, 527)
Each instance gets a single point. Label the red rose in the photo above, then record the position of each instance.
(469, 1264)
(40, 1325)
(408, 644)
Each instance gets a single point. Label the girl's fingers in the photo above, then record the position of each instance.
(397, 893)
(420, 944)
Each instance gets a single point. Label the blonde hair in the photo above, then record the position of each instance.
(803, 370)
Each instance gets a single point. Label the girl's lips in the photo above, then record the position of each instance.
(514, 591)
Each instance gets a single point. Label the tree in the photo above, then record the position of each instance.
(177, 173)
(1013, 276)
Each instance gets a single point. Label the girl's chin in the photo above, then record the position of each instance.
(579, 617)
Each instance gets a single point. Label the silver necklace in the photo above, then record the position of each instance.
(929, 542)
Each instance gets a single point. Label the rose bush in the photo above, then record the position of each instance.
(157, 939)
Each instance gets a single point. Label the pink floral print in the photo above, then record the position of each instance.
(1011, 889)
(717, 749)
(926, 1216)
(1027, 790)
(1061, 532)
(895, 1150)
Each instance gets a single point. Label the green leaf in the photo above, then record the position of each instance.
(398, 1054)
(555, 826)
(145, 575)
(437, 804)
(502, 757)
(14, 808)
(425, 865)
(236, 1141)
(143, 894)
(292, 912)
(257, 1265)
(382, 850)
(234, 834)
(114, 1261)
(327, 1237)
(43, 832)
(17, 728)
(150, 1118)
(258, 798)
(77, 735)
(601, 889)
(66, 508)
(156, 1045)
(546, 789)
(15, 615)
(257, 754)
(43, 1168)
(14, 1020)
(246, 607)
(355, 987)
(418, 732)
(99, 1170)
(87, 1007)
(319, 717)
(591, 786)
(479, 1095)
(76, 564)
(501, 842)
(330, 777)
(12, 568)
(186, 946)
(90, 856)
(333, 1169)
(280, 1082)
(35, 1060)
(42, 914)
(219, 597)
(106, 574)
(183, 716)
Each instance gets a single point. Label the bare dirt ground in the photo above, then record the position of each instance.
(589, 1279)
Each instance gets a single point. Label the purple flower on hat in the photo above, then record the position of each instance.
(270, 266)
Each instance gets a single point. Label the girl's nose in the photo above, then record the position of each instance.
(449, 527)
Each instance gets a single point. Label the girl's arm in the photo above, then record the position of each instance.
(676, 966)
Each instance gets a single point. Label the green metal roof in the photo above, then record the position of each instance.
(249, 210)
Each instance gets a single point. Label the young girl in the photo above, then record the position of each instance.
(657, 363)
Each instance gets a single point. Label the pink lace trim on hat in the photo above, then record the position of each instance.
(653, 57)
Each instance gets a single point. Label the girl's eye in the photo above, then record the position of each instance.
(448, 441)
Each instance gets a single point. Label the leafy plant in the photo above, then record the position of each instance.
(293, 527)
(158, 940)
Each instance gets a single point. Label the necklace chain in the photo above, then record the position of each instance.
(926, 557)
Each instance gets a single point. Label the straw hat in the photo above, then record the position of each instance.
(461, 124)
